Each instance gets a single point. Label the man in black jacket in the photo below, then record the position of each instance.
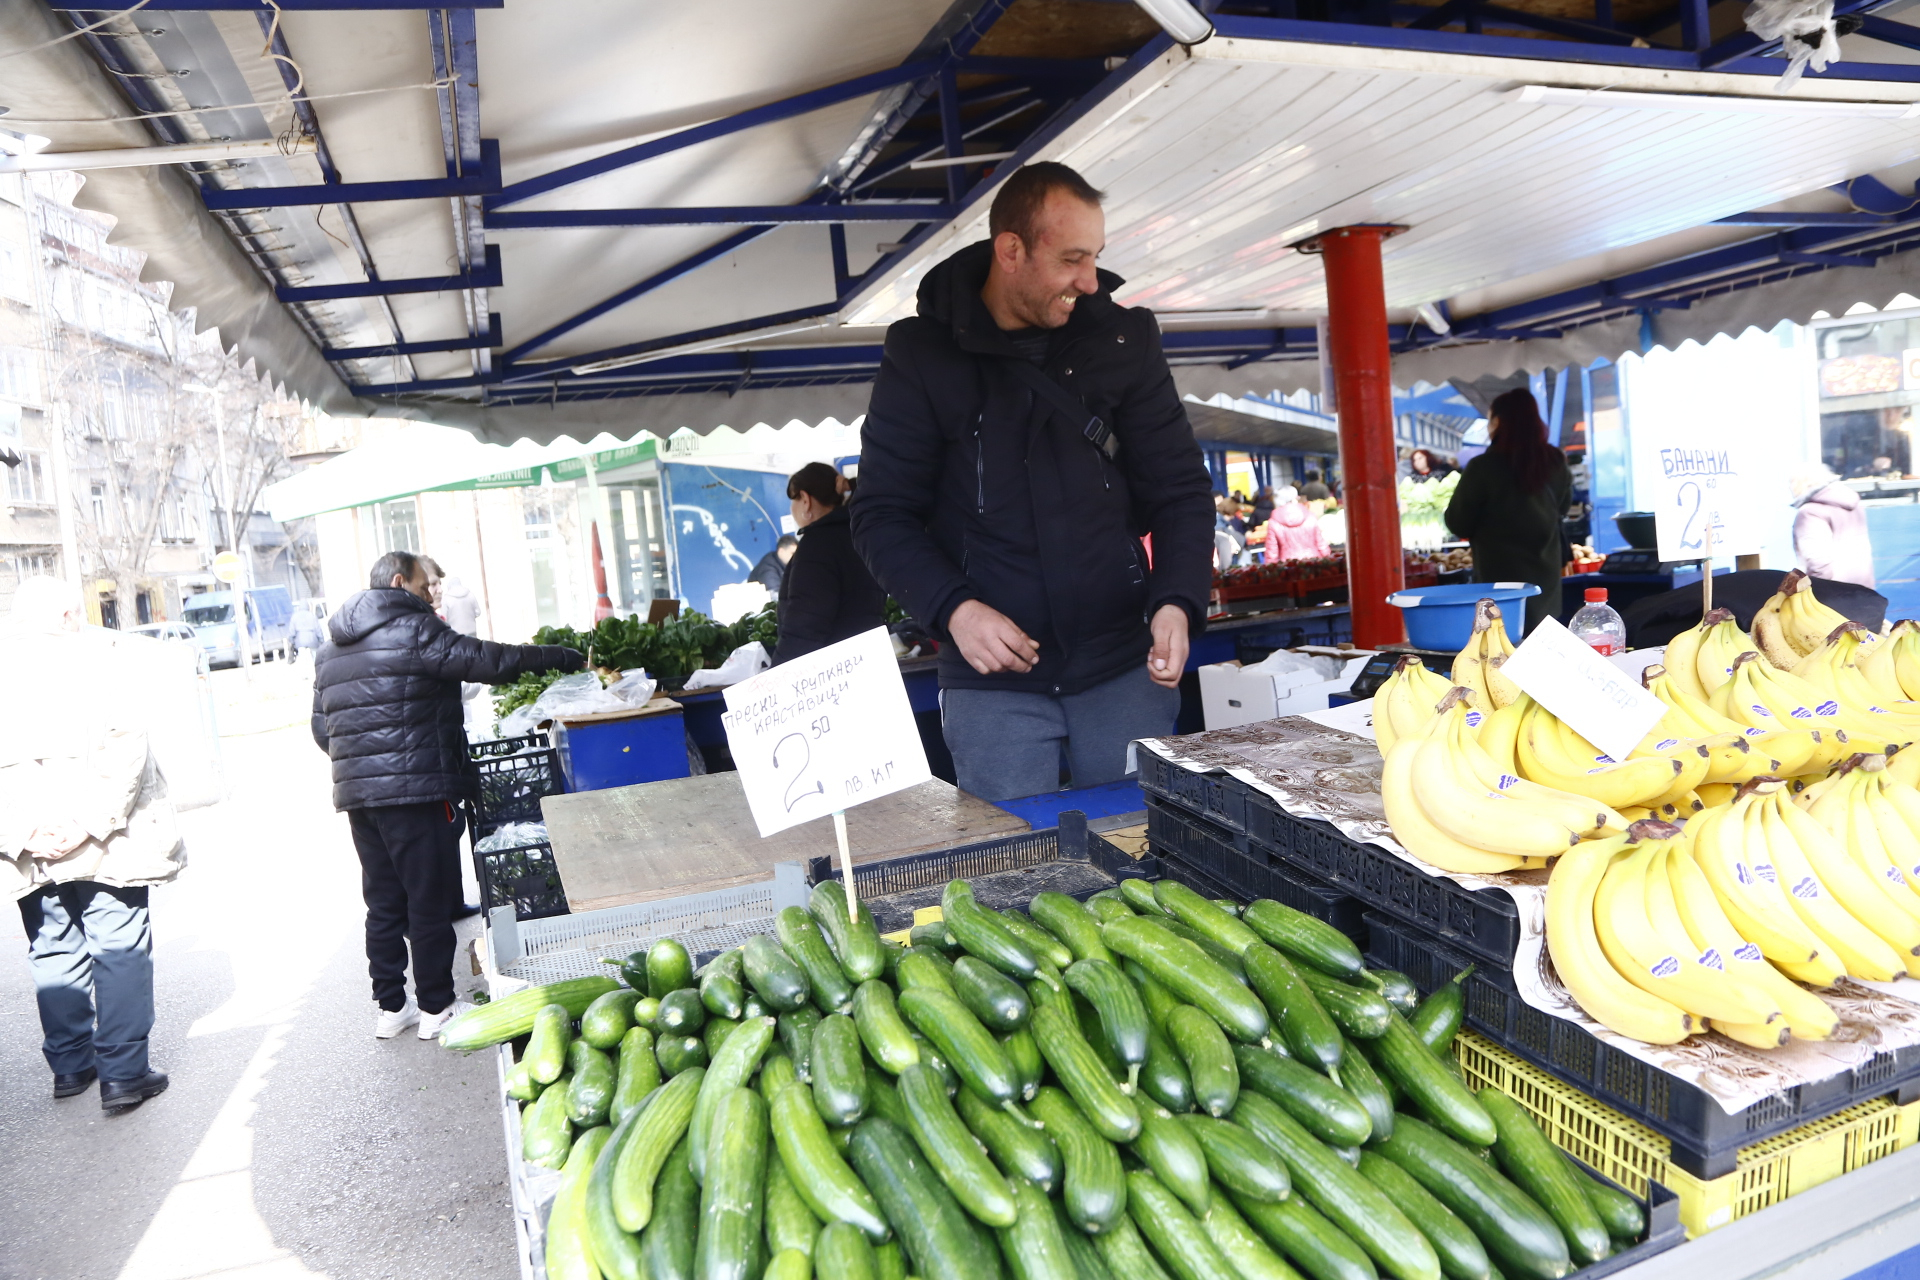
(1009, 519)
(386, 709)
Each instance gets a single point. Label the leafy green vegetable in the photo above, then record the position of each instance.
(669, 651)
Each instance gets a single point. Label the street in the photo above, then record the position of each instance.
(291, 1142)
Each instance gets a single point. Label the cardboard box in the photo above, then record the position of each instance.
(1231, 694)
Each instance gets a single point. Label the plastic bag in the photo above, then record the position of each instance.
(749, 659)
(635, 688)
(514, 835)
(516, 723)
(580, 694)
(1805, 30)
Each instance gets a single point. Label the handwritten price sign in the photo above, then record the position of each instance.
(823, 733)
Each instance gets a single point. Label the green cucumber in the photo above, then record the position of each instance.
(667, 1249)
(882, 1030)
(1359, 1079)
(723, 985)
(545, 1133)
(924, 967)
(1367, 1049)
(883, 1100)
(1225, 957)
(1187, 971)
(1336, 1188)
(1208, 1057)
(1174, 1154)
(661, 1126)
(1109, 905)
(669, 968)
(1322, 1107)
(889, 1261)
(645, 1010)
(1023, 1051)
(511, 1017)
(788, 1264)
(607, 1018)
(680, 1013)
(953, 1151)
(1163, 1077)
(969, 1048)
(1251, 1257)
(731, 1068)
(1435, 1091)
(1033, 1244)
(842, 1253)
(801, 938)
(569, 1255)
(790, 1224)
(1310, 1035)
(590, 1087)
(546, 1055)
(1140, 896)
(614, 1251)
(930, 1056)
(1126, 1254)
(1021, 1150)
(1519, 1235)
(1536, 1166)
(1228, 905)
(1396, 987)
(1199, 913)
(1087, 1262)
(774, 975)
(1618, 1210)
(1093, 1184)
(1462, 1256)
(521, 1086)
(933, 934)
(856, 940)
(819, 1172)
(1438, 1018)
(1070, 922)
(733, 1197)
(1043, 944)
(992, 996)
(636, 1076)
(776, 1073)
(715, 1034)
(985, 936)
(677, 1054)
(1304, 1235)
(796, 1034)
(1361, 1013)
(1303, 938)
(1088, 1021)
(633, 970)
(1240, 1162)
(1123, 1017)
(1081, 1073)
(1180, 1241)
(839, 1074)
(941, 1242)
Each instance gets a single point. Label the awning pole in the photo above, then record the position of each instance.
(1357, 345)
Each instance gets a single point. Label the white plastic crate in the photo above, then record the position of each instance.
(532, 1188)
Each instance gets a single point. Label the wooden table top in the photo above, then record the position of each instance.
(690, 835)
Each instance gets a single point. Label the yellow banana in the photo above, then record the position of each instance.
(1681, 662)
(1769, 633)
(1470, 664)
(1714, 794)
(1753, 698)
(1581, 814)
(1906, 665)
(1498, 648)
(1878, 666)
(1905, 767)
(1896, 837)
(1551, 754)
(1806, 622)
(1718, 850)
(1849, 884)
(1602, 993)
(1861, 951)
(1836, 806)
(1498, 731)
(1416, 832)
(1724, 641)
(1484, 816)
(1807, 1015)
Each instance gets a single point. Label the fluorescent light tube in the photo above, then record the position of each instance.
(1178, 19)
(696, 348)
(1629, 100)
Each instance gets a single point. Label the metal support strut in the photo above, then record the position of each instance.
(1358, 347)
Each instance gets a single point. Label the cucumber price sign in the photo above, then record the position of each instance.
(824, 732)
(1706, 502)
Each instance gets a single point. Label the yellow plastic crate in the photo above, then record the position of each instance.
(1633, 1155)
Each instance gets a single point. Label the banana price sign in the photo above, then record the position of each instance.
(1705, 506)
(1602, 703)
(824, 732)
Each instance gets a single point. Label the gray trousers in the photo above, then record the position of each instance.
(90, 947)
(1008, 743)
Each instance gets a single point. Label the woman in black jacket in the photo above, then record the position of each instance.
(1511, 500)
(827, 594)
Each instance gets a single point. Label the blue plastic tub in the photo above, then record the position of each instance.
(1442, 617)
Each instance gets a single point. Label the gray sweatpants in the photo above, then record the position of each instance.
(1008, 743)
(90, 947)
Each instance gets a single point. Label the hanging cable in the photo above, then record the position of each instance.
(266, 51)
(75, 34)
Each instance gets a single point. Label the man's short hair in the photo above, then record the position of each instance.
(1017, 205)
(1312, 475)
(404, 563)
(786, 540)
(433, 567)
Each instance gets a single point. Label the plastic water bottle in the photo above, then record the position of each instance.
(1599, 625)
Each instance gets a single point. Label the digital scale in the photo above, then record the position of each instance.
(1381, 665)
(1644, 560)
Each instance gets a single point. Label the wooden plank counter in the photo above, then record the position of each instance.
(689, 835)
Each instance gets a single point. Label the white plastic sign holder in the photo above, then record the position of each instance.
(1602, 703)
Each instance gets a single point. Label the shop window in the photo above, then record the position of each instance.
(29, 485)
(397, 525)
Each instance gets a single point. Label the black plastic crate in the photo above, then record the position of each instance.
(1178, 837)
(1485, 923)
(1217, 797)
(525, 879)
(1706, 1139)
(1664, 1229)
(514, 775)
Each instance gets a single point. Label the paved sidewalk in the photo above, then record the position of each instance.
(292, 1143)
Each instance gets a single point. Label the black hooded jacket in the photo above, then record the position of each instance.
(386, 698)
(971, 488)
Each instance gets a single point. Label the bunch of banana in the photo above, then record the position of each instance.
(1404, 704)
(1876, 819)
(1709, 649)
(1793, 623)
(1549, 752)
(1836, 667)
(1771, 752)
(1451, 805)
(1892, 666)
(1762, 696)
(1479, 662)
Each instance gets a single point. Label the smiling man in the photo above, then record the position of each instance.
(1024, 437)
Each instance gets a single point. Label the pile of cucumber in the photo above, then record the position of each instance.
(1151, 1085)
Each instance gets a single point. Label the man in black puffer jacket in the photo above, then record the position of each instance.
(386, 709)
(1009, 525)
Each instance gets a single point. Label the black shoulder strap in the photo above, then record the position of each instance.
(1068, 405)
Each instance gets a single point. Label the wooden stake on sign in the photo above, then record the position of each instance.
(1706, 575)
(846, 864)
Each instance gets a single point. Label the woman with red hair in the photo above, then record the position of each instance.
(1511, 501)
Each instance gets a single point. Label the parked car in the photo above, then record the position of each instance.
(173, 633)
(216, 629)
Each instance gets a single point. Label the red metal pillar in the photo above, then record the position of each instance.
(602, 604)
(1358, 347)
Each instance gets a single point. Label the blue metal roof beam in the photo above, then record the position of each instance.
(488, 277)
(769, 215)
(454, 37)
(486, 178)
(1429, 19)
(490, 338)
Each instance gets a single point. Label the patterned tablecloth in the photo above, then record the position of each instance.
(1314, 771)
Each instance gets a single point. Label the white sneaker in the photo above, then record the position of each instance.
(389, 1025)
(430, 1023)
